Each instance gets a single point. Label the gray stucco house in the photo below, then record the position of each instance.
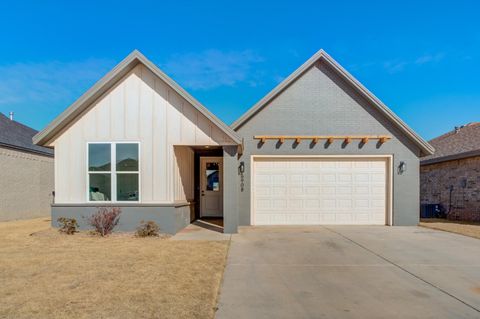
(318, 149)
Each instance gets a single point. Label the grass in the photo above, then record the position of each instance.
(459, 227)
(45, 274)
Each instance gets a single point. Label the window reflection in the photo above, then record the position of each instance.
(213, 176)
(127, 157)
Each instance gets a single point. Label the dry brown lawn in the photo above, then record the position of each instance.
(458, 227)
(45, 274)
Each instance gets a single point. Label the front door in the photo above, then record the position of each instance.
(211, 186)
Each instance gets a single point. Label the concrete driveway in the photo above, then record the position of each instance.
(351, 272)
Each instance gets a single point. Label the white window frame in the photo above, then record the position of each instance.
(113, 173)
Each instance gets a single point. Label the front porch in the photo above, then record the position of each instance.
(211, 186)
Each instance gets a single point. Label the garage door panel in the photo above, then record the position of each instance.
(312, 204)
(314, 191)
(263, 179)
(377, 190)
(319, 191)
(279, 203)
(361, 190)
(362, 217)
(311, 179)
(294, 204)
(295, 190)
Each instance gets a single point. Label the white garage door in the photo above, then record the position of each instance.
(314, 191)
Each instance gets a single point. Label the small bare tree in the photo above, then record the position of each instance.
(105, 219)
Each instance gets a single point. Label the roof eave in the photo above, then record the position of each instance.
(452, 157)
(26, 150)
(50, 131)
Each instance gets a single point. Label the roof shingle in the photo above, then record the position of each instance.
(16, 135)
(460, 143)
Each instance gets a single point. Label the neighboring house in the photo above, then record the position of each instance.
(451, 176)
(318, 149)
(26, 173)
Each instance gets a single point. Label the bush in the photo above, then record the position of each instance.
(147, 229)
(67, 225)
(105, 219)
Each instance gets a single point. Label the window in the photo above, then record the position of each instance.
(213, 179)
(127, 172)
(113, 172)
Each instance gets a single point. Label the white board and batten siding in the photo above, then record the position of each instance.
(320, 191)
(141, 108)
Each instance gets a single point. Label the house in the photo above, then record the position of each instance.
(318, 149)
(451, 176)
(26, 174)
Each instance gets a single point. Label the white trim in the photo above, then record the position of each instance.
(388, 182)
(390, 190)
(113, 172)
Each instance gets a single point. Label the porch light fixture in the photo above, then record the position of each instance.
(402, 167)
(241, 167)
(241, 170)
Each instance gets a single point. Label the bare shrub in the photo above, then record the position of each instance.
(147, 229)
(67, 225)
(105, 219)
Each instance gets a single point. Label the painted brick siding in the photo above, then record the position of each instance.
(26, 185)
(320, 103)
(464, 176)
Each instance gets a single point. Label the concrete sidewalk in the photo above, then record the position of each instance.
(201, 230)
(350, 272)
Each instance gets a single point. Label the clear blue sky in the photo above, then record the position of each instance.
(422, 58)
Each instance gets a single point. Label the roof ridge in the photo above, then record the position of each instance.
(452, 132)
(472, 124)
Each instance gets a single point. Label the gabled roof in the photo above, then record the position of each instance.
(17, 136)
(323, 56)
(107, 82)
(462, 142)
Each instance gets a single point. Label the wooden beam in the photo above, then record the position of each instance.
(347, 140)
(330, 140)
(382, 140)
(315, 140)
(281, 140)
(262, 140)
(298, 140)
(311, 137)
(241, 147)
(365, 140)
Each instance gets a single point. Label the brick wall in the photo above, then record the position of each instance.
(463, 176)
(26, 185)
